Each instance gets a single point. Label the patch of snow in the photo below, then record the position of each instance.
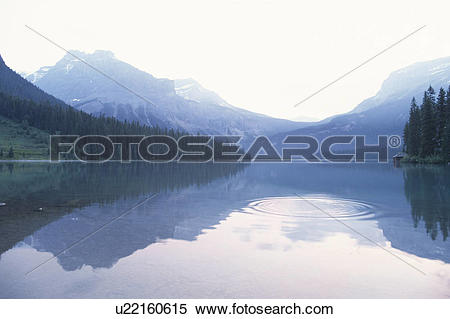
(69, 67)
(184, 87)
(39, 74)
(439, 69)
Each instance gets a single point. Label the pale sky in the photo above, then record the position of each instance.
(264, 56)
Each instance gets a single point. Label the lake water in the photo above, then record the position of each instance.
(224, 231)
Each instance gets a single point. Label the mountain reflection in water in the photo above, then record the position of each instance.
(404, 209)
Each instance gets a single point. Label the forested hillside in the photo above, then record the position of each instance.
(13, 84)
(427, 132)
(29, 115)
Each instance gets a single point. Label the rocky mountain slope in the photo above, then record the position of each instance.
(182, 104)
(387, 112)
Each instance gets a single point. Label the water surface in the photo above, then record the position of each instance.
(224, 231)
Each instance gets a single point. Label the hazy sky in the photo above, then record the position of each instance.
(264, 56)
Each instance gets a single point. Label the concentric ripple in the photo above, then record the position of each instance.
(311, 208)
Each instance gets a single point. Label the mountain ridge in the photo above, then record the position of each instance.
(12, 84)
(387, 112)
(196, 110)
(412, 78)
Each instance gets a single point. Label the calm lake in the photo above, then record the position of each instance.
(224, 231)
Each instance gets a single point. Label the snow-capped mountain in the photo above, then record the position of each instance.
(192, 90)
(387, 112)
(128, 93)
(34, 77)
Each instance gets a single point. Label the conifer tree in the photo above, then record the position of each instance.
(441, 117)
(11, 152)
(428, 127)
(405, 136)
(446, 137)
(447, 106)
(446, 144)
(413, 140)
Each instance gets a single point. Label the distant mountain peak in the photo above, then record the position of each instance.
(183, 104)
(97, 54)
(70, 59)
(104, 54)
(387, 112)
(190, 89)
(35, 76)
(409, 81)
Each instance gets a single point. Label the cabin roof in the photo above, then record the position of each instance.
(399, 155)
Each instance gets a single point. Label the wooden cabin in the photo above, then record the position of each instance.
(397, 158)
